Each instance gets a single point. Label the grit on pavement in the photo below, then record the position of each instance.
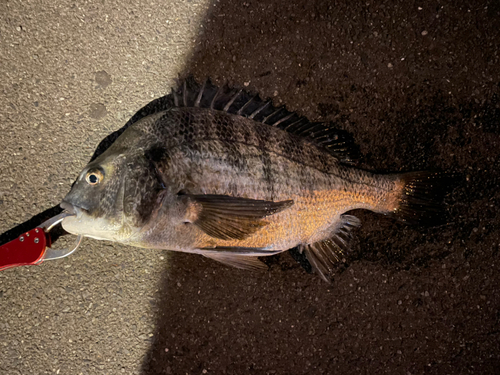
(72, 72)
(416, 83)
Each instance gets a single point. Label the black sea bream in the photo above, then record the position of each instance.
(219, 172)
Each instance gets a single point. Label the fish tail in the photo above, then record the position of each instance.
(419, 196)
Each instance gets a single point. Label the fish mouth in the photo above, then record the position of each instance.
(68, 207)
(72, 209)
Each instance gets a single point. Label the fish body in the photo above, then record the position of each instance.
(230, 177)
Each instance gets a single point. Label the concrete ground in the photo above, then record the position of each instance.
(71, 73)
(416, 83)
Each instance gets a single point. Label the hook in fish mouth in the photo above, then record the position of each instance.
(53, 221)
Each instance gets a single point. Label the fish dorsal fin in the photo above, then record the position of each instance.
(226, 217)
(323, 255)
(242, 103)
(190, 93)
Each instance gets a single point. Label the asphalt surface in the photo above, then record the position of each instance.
(416, 83)
(72, 72)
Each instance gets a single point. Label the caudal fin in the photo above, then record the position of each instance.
(421, 200)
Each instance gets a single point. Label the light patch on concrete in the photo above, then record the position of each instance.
(71, 73)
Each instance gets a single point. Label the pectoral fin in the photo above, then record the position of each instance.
(228, 218)
(323, 255)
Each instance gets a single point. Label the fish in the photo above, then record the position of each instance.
(220, 172)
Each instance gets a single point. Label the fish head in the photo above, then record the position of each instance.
(120, 192)
(96, 199)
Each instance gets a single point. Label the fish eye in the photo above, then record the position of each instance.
(94, 177)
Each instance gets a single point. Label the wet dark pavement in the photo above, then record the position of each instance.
(417, 84)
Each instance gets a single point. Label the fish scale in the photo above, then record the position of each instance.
(219, 172)
(211, 143)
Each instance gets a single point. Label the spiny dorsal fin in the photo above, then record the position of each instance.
(240, 102)
(190, 93)
(323, 255)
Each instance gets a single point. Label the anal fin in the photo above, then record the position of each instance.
(324, 255)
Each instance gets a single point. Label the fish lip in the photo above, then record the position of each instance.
(68, 207)
(72, 209)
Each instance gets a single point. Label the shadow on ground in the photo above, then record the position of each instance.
(418, 86)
